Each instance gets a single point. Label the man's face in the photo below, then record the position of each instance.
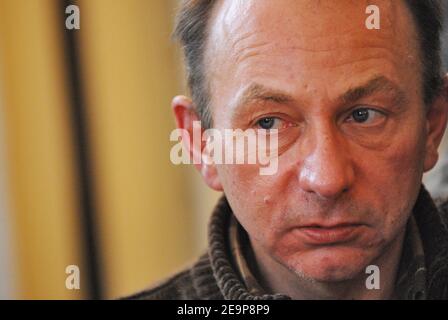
(347, 102)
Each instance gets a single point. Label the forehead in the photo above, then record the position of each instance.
(298, 43)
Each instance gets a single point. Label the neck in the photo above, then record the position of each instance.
(276, 278)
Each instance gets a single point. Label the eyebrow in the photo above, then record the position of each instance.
(375, 85)
(259, 93)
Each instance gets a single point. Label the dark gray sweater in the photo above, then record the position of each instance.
(214, 276)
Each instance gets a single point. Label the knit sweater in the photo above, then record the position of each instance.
(213, 276)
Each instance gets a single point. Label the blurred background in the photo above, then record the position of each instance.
(85, 174)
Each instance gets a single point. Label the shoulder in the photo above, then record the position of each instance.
(188, 284)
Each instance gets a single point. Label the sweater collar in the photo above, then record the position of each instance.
(230, 285)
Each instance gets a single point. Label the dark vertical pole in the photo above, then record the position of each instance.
(83, 159)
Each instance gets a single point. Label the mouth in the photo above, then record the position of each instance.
(329, 235)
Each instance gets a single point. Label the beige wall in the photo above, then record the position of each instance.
(40, 178)
(151, 215)
(131, 73)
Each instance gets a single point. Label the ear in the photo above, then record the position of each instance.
(188, 120)
(436, 121)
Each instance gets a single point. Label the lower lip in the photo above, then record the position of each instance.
(335, 235)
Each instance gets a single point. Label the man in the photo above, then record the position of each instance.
(360, 107)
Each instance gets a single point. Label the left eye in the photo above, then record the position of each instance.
(365, 116)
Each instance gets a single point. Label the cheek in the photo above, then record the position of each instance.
(392, 178)
(255, 199)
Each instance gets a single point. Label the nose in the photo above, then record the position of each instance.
(327, 169)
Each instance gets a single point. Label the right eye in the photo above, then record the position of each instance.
(267, 123)
(270, 123)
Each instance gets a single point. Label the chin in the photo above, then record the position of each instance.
(330, 264)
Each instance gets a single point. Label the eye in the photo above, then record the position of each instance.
(269, 123)
(365, 116)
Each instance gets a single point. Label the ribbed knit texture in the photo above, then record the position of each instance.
(230, 285)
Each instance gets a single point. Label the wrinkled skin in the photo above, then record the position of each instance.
(307, 57)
